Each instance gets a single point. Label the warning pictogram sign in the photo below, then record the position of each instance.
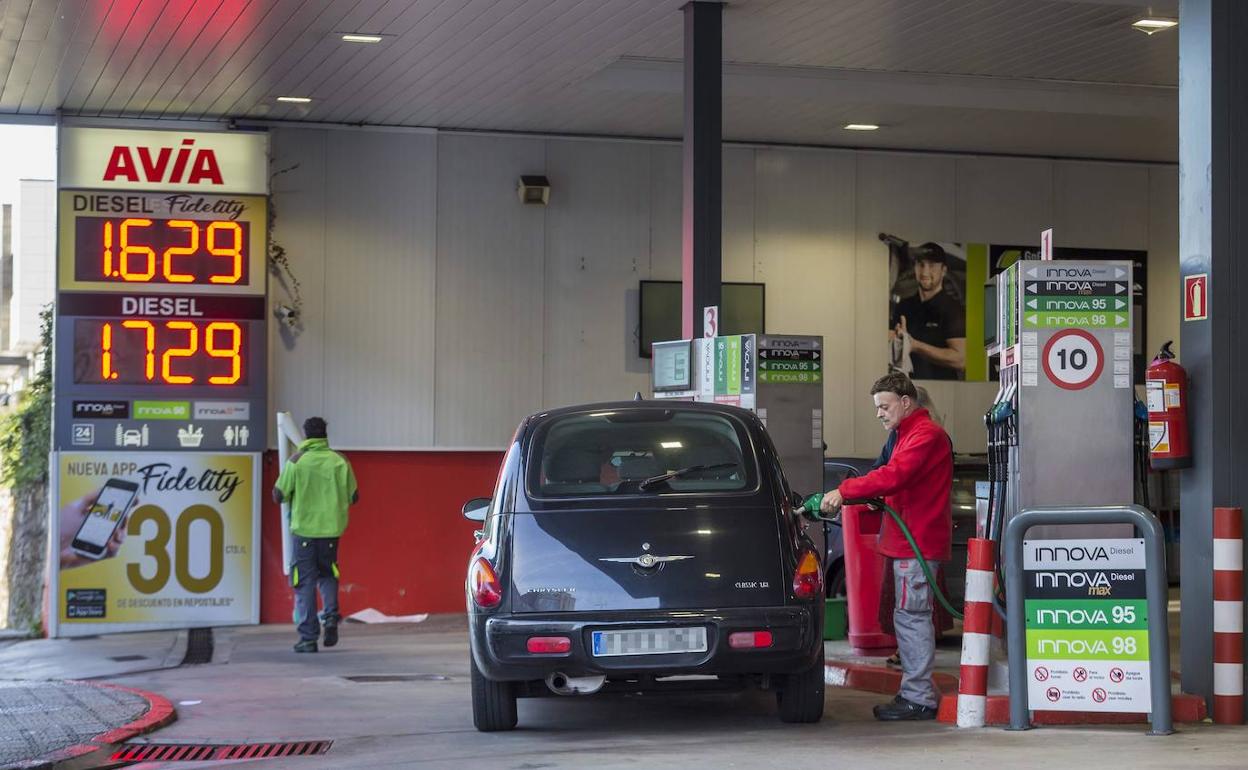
(1196, 297)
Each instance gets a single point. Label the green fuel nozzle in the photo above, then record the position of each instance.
(810, 506)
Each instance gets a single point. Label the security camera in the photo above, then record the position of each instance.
(286, 314)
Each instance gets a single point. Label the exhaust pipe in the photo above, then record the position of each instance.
(562, 684)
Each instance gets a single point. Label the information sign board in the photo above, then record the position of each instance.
(1087, 625)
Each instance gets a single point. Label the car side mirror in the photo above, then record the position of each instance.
(474, 509)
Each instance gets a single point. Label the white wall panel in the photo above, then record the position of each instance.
(1165, 293)
(912, 197)
(1100, 205)
(666, 200)
(297, 359)
(803, 219)
(597, 249)
(439, 310)
(738, 230)
(380, 249)
(490, 289)
(1003, 200)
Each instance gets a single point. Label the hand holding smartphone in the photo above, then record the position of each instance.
(96, 521)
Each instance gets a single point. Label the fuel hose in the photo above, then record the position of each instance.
(810, 509)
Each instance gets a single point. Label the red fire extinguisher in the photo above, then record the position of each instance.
(1168, 442)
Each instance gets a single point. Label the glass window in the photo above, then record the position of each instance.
(639, 452)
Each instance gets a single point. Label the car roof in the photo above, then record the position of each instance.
(615, 406)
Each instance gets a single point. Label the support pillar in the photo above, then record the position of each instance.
(1213, 240)
(702, 215)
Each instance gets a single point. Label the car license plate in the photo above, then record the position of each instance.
(651, 641)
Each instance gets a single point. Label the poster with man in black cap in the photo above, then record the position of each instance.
(927, 324)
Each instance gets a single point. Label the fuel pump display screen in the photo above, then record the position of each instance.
(671, 365)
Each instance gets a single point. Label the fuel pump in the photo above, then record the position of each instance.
(1169, 443)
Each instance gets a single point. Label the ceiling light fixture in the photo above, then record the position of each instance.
(1151, 25)
(861, 127)
(359, 37)
(294, 99)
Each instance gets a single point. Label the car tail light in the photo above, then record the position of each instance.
(749, 640)
(487, 592)
(808, 579)
(546, 645)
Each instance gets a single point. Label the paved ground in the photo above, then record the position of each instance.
(38, 718)
(260, 691)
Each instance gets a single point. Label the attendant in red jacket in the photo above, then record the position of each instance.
(916, 482)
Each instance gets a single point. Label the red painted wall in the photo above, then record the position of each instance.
(406, 547)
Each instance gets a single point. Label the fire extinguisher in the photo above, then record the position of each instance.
(1169, 446)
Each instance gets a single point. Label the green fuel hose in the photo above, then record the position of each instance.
(810, 509)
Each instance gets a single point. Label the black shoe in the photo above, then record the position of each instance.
(903, 710)
(306, 645)
(331, 636)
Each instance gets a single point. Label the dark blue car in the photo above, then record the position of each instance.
(628, 544)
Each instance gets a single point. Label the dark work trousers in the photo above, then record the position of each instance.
(315, 569)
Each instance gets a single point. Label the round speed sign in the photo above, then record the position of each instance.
(1073, 359)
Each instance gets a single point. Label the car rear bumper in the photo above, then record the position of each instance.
(499, 643)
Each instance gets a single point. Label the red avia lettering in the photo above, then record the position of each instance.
(143, 164)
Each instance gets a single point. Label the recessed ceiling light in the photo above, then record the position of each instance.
(861, 127)
(358, 37)
(1154, 24)
(294, 99)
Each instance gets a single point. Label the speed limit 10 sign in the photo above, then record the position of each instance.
(1073, 359)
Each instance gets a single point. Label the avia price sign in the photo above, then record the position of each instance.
(1087, 625)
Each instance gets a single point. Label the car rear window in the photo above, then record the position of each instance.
(640, 452)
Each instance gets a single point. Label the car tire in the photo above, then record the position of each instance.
(800, 697)
(493, 703)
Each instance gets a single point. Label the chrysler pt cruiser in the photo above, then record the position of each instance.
(640, 547)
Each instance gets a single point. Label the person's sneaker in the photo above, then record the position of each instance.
(893, 660)
(901, 709)
(306, 645)
(331, 636)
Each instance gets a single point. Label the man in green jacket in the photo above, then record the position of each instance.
(319, 484)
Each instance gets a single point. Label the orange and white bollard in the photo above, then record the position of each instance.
(976, 634)
(1228, 616)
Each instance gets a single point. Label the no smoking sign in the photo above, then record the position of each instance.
(1073, 359)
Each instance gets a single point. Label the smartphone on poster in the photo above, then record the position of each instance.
(103, 518)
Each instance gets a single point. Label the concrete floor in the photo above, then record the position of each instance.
(258, 690)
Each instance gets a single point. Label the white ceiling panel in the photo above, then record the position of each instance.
(942, 74)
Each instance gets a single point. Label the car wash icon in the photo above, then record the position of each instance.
(190, 437)
(236, 435)
(132, 437)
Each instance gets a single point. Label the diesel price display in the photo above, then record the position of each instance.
(141, 250)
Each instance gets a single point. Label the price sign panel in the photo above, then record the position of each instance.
(1087, 625)
(162, 242)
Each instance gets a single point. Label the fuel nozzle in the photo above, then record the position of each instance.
(810, 506)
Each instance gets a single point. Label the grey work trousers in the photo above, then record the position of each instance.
(315, 569)
(916, 637)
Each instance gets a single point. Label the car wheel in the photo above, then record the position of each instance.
(493, 703)
(800, 697)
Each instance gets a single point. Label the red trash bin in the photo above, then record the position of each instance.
(864, 575)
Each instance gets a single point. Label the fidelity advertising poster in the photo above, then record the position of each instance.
(155, 540)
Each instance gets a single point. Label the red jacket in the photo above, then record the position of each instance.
(916, 482)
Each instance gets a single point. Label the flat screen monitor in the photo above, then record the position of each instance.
(742, 310)
(671, 368)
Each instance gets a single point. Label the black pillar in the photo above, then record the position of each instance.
(703, 164)
(1213, 239)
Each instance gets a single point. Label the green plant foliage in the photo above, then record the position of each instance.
(26, 433)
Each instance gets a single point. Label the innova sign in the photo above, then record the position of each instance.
(192, 161)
